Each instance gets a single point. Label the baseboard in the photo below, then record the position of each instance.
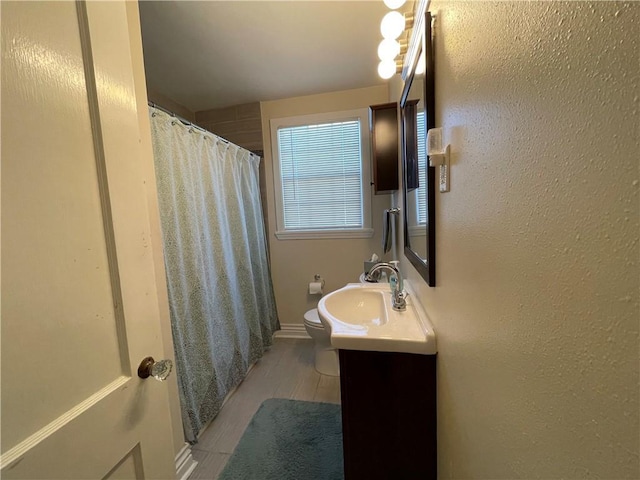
(185, 463)
(291, 330)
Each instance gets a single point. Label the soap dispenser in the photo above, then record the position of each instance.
(393, 279)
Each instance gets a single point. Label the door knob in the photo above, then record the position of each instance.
(159, 370)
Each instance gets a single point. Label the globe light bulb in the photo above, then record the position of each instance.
(394, 4)
(392, 25)
(422, 64)
(388, 49)
(387, 69)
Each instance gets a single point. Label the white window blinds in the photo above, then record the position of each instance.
(321, 176)
(421, 191)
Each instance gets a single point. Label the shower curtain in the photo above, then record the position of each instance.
(221, 298)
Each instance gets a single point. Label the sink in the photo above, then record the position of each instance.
(358, 307)
(360, 317)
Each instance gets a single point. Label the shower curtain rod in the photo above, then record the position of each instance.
(182, 119)
(197, 127)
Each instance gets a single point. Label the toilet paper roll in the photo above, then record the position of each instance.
(315, 288)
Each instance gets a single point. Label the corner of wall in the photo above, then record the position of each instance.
(168, 103)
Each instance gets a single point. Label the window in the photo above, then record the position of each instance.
(417, 199)
(421, 191)
(321, 172)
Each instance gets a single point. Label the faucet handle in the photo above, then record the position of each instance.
(399, 300)
(399, 303)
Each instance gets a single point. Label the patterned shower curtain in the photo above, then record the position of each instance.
(221, 298)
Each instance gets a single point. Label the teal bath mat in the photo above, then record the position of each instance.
(289, 440)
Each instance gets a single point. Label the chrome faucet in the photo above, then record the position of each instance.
(398, 301)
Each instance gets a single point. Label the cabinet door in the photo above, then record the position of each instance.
(388, 415)
(384, 134)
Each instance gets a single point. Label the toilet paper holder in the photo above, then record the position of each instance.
(317, 286)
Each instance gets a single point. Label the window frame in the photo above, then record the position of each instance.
(362, 116)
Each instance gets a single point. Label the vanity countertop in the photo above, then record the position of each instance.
(360, 317)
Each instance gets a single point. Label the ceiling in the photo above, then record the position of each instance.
(211, 54)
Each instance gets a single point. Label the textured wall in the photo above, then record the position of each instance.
(339, 261)
(537, 304)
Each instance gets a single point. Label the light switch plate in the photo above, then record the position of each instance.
(444, 176)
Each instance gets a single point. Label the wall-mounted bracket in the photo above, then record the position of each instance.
(439, 156)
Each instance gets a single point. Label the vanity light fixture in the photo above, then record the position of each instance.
(388, 49)
(392, 27)
(394, 4)
(388, 68)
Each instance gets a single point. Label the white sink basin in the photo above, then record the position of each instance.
(360, 317)
(359, 307)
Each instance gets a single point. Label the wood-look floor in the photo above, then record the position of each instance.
(285, 371)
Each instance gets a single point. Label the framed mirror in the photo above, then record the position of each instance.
(417, 106)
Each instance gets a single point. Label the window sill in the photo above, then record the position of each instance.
(318, 234)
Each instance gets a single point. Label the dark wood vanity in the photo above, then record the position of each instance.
(388, 415)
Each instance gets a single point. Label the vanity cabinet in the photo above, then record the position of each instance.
(383, 123)
(388, 415)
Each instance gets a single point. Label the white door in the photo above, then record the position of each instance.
(79, 301)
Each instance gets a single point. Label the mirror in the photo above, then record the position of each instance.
(417, 106)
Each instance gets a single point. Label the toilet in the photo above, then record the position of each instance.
(326, 355)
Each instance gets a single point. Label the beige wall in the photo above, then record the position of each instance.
(339, 261)
(536, 307)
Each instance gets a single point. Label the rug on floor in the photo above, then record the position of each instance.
(289, 440)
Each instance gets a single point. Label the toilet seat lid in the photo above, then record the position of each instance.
(312, 316)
